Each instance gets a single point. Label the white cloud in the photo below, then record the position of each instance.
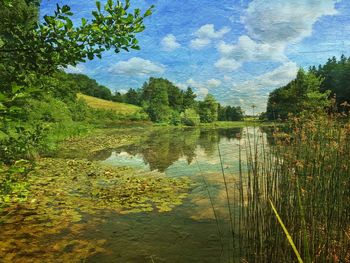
(200, 89)
(213, 83)
(274, 79)
(202, 92)
(247, 49)
(227, 78)
(208, 32)
(192, 83)
(137, 67)
(205, 35)
(78, 69)
(271, 27)
(256, 91)
(227, 64)
(169, 43)
(180, 85)
(200, 43)
(283, 21)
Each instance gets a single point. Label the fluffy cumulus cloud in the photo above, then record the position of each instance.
(247, 49)
(227, 64)
(137, 67)
(169, 43)
(192, 83)
(271, 26)
(200, 89)
(213, 83)
(256, 90)
(276, 78)
(280, 21)
(205, 35)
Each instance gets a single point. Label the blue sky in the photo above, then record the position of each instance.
(237, 50)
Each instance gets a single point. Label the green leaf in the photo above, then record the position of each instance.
(69, 24)
(59, 23)
(3, 136)
(148, 13)
(90, 56)
(83, 21)
(110, 3)
(65, 9)
(48, 19)
(16, 88)
(3, 97)
(127, 4)
(98, 5)
(95, 14)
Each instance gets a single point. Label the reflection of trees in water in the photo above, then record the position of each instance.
(208, 141)
(161, 148)
(211, 137)
(230, 133)
(101, 155)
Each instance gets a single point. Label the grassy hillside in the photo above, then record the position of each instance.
(122, 108)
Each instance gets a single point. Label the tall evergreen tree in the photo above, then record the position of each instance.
(189, 99)
(208, 109)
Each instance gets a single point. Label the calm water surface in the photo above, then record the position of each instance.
(198, 230)
(191, 232)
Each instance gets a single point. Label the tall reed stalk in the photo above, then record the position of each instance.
(304, 170)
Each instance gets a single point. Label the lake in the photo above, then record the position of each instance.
(197, 229)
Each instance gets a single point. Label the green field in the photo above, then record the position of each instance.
(121, 108)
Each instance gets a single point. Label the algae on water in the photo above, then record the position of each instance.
(62, 192)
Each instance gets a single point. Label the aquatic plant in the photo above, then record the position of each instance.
(305, 175)
(62, 196)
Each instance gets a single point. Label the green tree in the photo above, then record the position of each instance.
(301, 94)
(155, 100)
(208, 109)
(162, 100)
(82, 83)
(175, 96)
(132, 97)
(336, 75)
(190, 117)
(189, 99)
(32, 52)
(117, 97)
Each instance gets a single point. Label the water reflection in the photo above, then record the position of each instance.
(160, 149)
(199, 229)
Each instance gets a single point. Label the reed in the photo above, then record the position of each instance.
(304, 173)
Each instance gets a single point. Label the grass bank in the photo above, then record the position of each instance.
(117, 107)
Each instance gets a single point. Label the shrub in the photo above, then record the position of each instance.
(190, 117)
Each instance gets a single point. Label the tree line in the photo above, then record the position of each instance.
(312, 90)
(38, 104)
(165, 102)
(160, 98)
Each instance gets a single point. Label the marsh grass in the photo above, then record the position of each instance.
(303, 169)
(305, 173)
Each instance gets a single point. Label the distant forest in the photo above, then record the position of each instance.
(161, 100)
(312, 90)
